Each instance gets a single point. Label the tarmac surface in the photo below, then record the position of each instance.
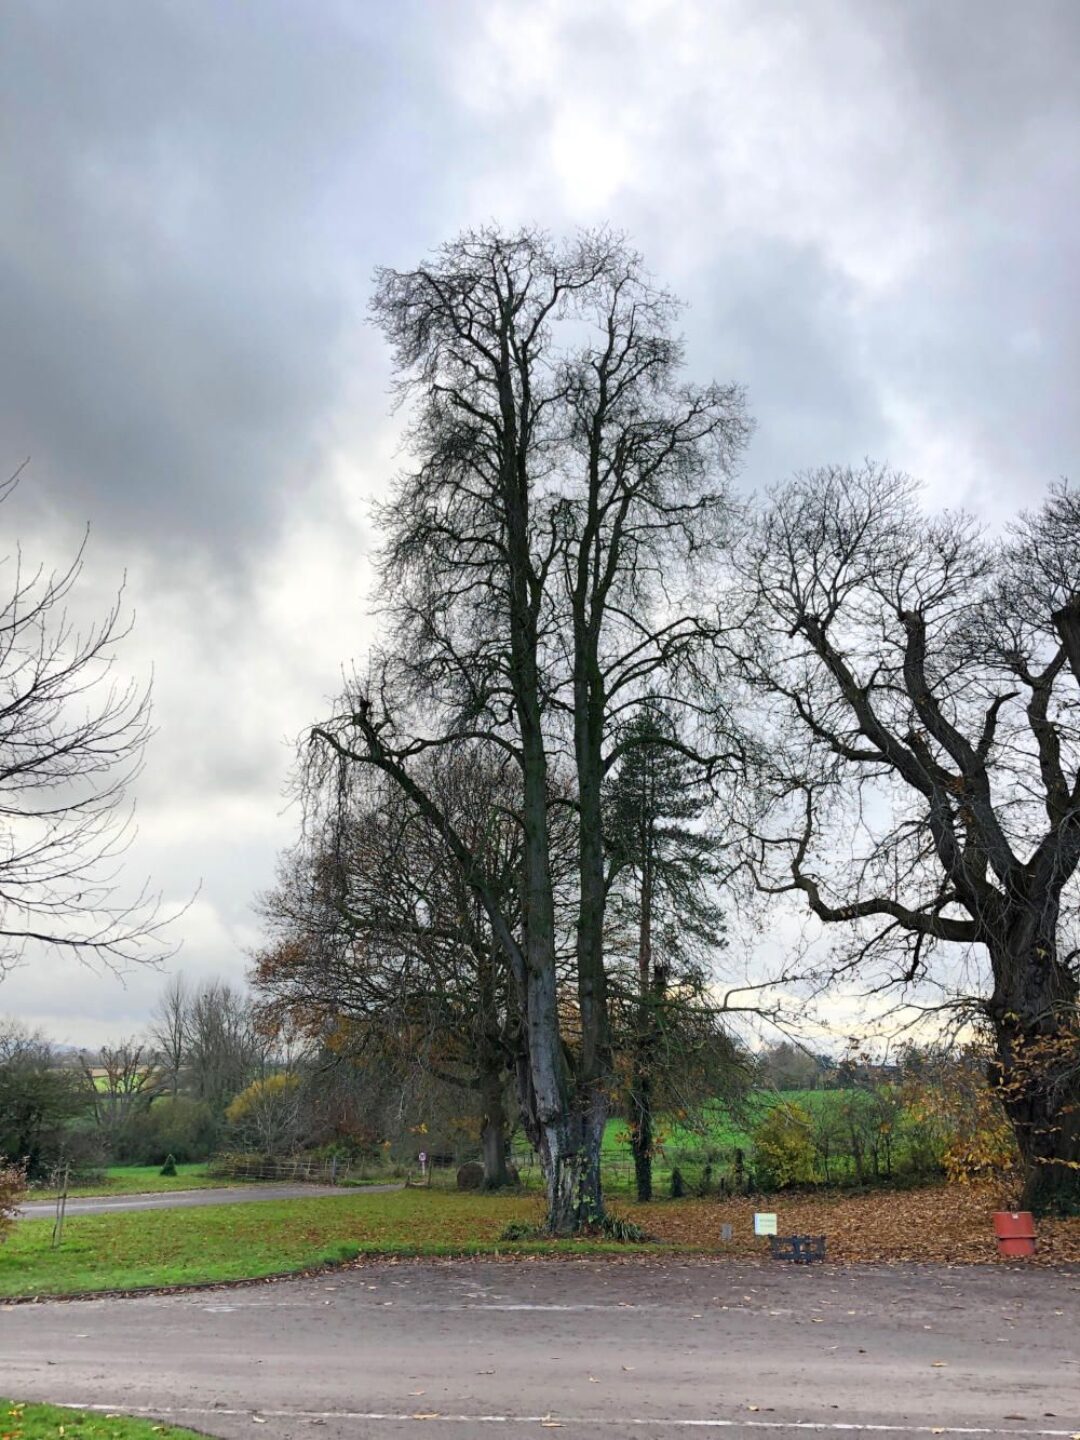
(186, 1199)
(636, 1348)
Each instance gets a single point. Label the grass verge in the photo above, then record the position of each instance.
(49, 1422)
(208, 1245)
(232, 1242)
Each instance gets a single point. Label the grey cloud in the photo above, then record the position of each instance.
(192, 195)
(874, 212)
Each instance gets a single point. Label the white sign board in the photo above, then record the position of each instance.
(764, 1224)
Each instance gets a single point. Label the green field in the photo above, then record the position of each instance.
(50, 1422)
(713, 1140)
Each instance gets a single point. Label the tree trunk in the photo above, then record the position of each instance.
(1036, 1069)
(641, 1134)
(641, 1115)
(594, 1079)
(1036, 1078)
(570, 1153)
(493, 1131)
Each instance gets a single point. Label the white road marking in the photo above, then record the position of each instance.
(526, 1305)
(395, 1417)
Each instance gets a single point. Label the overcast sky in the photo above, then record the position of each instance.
(871, 208)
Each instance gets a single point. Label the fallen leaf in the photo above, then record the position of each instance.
(939, 1365)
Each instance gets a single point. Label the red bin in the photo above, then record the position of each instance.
(1015, 1231)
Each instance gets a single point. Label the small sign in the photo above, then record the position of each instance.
(764, 1223)
(726, 1232)
(423, 1160)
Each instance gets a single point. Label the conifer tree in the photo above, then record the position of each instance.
(663, 865)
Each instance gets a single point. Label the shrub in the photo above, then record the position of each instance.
(169, 1168)
(678, 1184)
(82, 1155)
(784, 1147)
(978, 1141)
(12, 1189)
(173, 1125)
(518, 1230)
(267, 1114)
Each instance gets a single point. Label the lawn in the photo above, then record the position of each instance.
(232, 1242)
(229, 1242)
(140, 1180)
(49, 1422)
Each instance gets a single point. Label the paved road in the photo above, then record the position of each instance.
(602, 1349)
(184, 1199)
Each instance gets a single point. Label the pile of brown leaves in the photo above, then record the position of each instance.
(946, 1224)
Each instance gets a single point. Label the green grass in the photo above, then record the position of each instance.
(246, 1241)
(50, 1422)
(140, 1180)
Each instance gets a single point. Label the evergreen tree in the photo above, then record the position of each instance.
(662, 870)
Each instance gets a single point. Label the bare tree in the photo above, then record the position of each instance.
(71, 741)
(121, 1080)
(169, 1028)
(923, 686)
(543, 569)
(225, 1049)
(378, 939)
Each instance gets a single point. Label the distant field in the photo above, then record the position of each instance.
(719, 1130)
(692, 1147)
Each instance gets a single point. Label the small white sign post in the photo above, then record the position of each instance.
(764, 1223)
(423, 1164)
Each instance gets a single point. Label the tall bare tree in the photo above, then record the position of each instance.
(543, 569)
(923, 684)
(71, 741)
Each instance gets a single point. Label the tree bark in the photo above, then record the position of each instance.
(641, 1122)
(1036, 1070)
(570, 1154)
(493, 1131)
(641, 1131)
